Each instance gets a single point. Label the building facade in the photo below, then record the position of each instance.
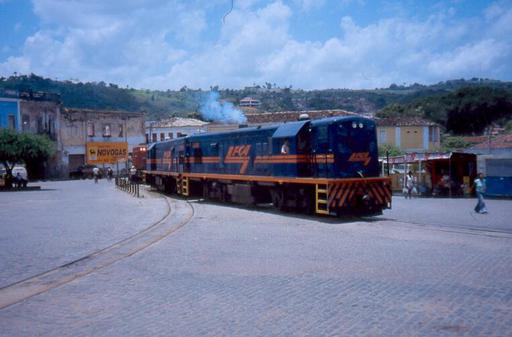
(83, 128)
(249, 102)
(10, 113)
(72, 130)
(33, 112)
(495, 161)
(409, 134)
(176, 127)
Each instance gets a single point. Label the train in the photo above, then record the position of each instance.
(326, 166)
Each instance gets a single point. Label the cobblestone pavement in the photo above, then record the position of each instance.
(64, 221)
(452, 213)
(253, 272)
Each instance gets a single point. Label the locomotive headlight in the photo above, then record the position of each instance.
(361, 125)
(354, 125)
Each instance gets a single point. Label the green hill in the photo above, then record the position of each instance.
(449, 103)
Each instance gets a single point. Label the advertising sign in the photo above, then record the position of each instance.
(106, 153)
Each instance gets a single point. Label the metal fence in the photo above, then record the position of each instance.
(125, 184)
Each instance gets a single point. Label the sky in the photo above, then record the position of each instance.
(305, 44)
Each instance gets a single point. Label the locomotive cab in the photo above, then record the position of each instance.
(290, 144)
(344, 148)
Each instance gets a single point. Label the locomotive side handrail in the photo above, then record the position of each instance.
(268, 179)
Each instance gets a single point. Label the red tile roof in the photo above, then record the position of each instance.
(176, 122)
(475, 139)
(500, 142)
(404, 121)
(288, 116)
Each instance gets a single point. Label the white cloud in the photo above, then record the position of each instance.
(475, 59)
(307, 5)
(169, 44)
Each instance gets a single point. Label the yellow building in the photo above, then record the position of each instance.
(410, 134)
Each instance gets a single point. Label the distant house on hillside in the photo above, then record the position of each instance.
(249, 101)
(175, 127)
(410, 134)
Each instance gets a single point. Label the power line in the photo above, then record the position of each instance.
(230, 10)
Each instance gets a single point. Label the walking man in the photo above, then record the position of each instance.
(409, 184)
(480, 188)
(96, 174)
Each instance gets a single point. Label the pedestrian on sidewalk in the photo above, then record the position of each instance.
(480, 189)
(409, 184)
(96, 174)
(110, 173)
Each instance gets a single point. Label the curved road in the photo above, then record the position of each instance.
(254, 272)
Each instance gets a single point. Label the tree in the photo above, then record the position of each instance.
(24, 148)
(453, 143)
(393, 151)
(476, 108)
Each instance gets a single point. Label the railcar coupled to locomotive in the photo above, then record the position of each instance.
(327, 166)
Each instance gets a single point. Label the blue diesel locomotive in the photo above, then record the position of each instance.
(327, 166)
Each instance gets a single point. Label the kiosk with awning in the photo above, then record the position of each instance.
(437, 174)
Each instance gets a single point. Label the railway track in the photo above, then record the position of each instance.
(460, 229)
(178, 214)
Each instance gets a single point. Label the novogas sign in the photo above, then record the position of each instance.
(106, 153)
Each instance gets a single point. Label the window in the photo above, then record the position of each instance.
(147, 138)
(12, 122)
(197, 151)
(162, 136)
(40, 127)
(25, 122)
(214, 149)
(322, 137)
(179, 134)
(153, 137)
(383, 136)
(121, 130)
(106, 130)
(433, 135)
(51, 128)
(90, 128)
(170, 135)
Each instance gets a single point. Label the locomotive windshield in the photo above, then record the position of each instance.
(356, 147)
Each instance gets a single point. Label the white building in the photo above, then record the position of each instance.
(157, 131)
(249, 101)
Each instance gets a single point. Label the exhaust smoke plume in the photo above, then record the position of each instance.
(224, 112)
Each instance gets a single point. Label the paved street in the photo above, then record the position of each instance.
(452, 213)
(65, 221)
(429, 267)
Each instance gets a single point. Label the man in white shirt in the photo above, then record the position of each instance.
(480, 189)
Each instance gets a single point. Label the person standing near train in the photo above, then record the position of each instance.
(480, 189)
